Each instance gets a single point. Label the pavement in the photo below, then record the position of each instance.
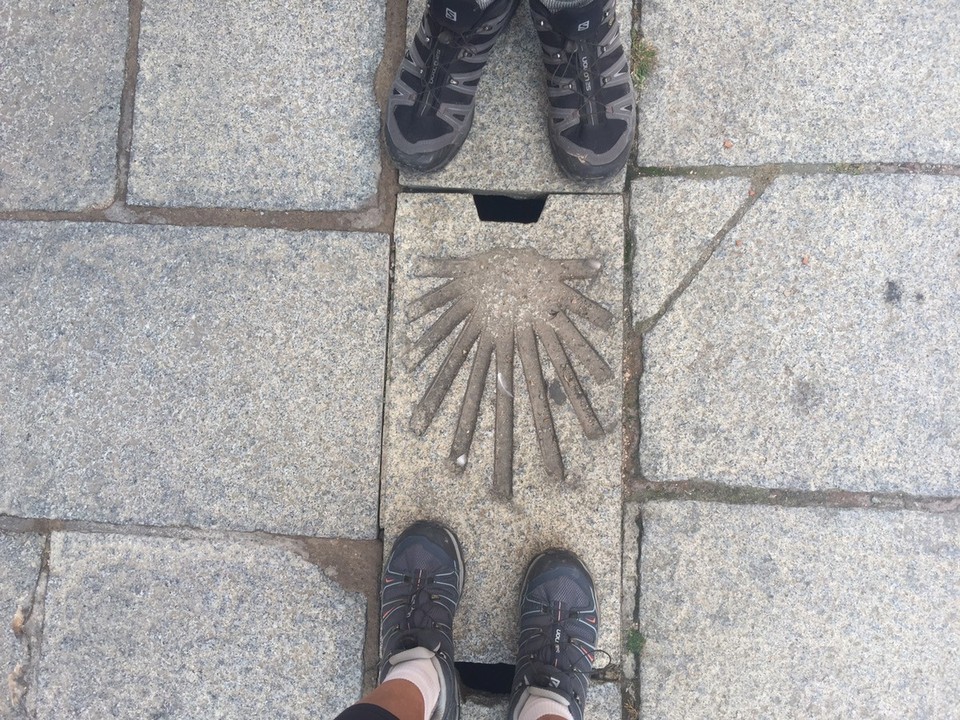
(239, 352)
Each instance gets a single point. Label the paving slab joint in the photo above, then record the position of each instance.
(632, 638)
(127, 97)
(711, 172)
(27, 627)
(761, 180)
(644, 491)
(632, 364)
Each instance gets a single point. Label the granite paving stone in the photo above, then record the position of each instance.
(806, 81)
(61, 76)
(752, 611)
(818, 347)
(507, 150)
(140, 627)
(19, 568)
(673, 221)
(207, 377)
(257, 105)
(502, 531)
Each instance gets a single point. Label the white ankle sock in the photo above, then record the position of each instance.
(422, 673)
(536, 707)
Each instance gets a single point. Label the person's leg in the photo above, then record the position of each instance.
(559, 622)
(391, 700)
(419, 592)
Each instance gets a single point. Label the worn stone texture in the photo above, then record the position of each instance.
(61, 76)
(808, 81)
(206, 377)
(603, 703)
(20, 557)
(501, 536)
(257, 105)
(753, 611)
(508, 150)
(155, 627)
(673, 222)
(818, 347)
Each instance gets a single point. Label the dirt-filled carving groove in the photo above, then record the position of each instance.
(509, 302)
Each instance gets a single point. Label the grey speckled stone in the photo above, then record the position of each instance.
(501, 536)
(257, 105)
(19, 569)
(508, 150)
(156, 627)
(603, 703)
(818, 348)
(809, 81)
(203, 377)
(759, 612)
(61, 75)
(673, 221)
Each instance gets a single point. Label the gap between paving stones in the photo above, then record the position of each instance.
(27, 627)
(354, 565)
(131, 68)
(379, 217)
(706, 172)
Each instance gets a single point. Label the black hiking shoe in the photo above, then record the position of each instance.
(420, 591)
(592, 104)
(430, 109)
(559, 622)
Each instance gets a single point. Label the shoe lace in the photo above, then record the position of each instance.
(579, 71)
(420, 607)
(554, 646)
(575, 57)
(444, 47)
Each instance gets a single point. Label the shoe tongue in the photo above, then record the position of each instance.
(578, 23)
(457, 15)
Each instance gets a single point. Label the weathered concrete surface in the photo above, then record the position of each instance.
(508, 149)
(61, 75)
(204, 377)
(809, 81)
(501, 535)
(818, 347)
(157, 627)
(673, 222)
(20, 557)
(603, 703)
(257, 105)
(753, 611)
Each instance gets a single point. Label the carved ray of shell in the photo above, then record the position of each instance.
(509, 302)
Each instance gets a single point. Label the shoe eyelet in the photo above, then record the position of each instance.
(557, 56)
(453, 82)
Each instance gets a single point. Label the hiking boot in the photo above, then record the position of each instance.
(421, 588)
(592, 105)
(559, 622)
(430, 109)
